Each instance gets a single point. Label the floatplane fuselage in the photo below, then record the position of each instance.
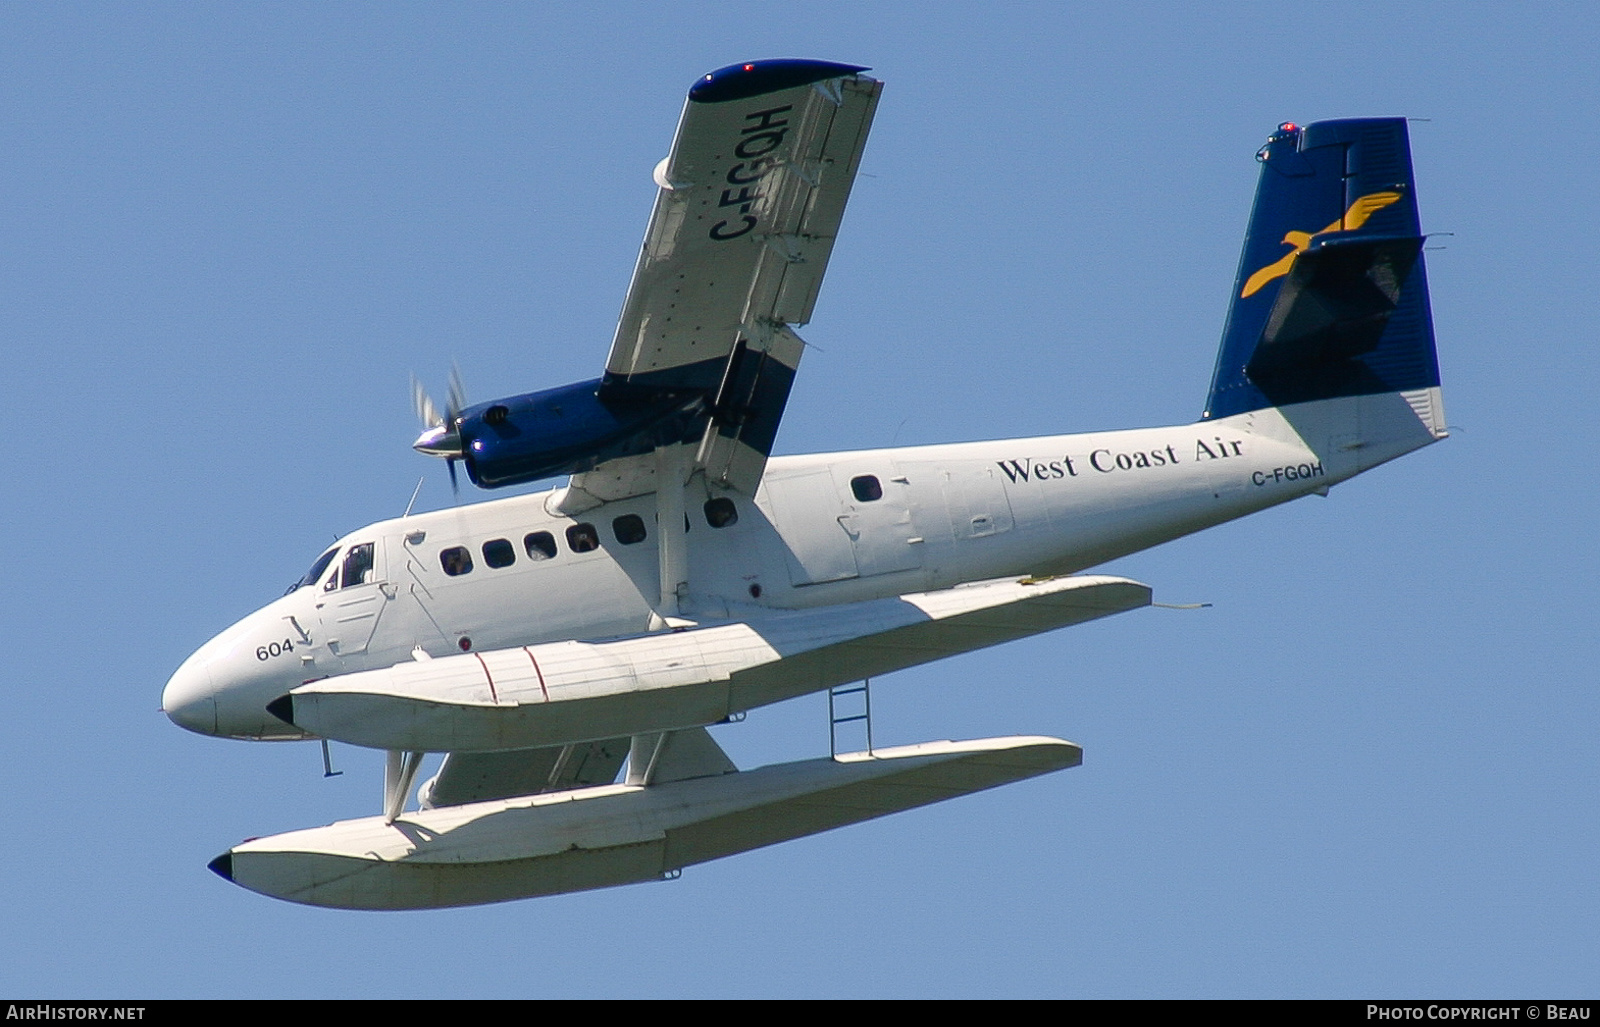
(823, 530)
(567, 649)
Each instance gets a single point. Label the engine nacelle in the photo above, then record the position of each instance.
(572, 428)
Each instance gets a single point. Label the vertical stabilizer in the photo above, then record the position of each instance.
(1331, 299)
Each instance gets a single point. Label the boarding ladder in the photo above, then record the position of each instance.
(837, 717)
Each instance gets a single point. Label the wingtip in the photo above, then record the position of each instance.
(754, 78)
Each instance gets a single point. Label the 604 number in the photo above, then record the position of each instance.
(267, 652)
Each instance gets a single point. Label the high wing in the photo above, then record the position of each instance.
(752, 196)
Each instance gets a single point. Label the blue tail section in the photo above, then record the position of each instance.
(1331, 298)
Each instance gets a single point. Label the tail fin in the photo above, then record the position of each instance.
(1343, 311)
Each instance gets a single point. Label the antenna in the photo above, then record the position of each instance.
(413, 498)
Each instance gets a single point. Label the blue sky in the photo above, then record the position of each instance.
(230, 232)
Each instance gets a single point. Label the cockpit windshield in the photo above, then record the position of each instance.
(315, 573)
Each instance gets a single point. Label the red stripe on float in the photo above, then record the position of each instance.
(539, 672)
(488, 675)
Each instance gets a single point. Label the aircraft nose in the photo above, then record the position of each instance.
(190, 698)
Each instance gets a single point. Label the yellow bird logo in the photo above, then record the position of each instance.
(1353, 219)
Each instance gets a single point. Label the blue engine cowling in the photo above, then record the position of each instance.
(572, 428)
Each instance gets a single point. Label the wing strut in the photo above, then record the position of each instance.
(672, 526)
(398, 773)
(643, 755)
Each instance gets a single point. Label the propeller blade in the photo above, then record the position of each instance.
(427, 413)
(440, 436)
(457, 399)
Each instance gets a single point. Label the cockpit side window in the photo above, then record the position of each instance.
(315, 573)
(357, 566)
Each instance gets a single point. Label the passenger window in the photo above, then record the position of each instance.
(541, 545)
(866, 488)
(582, 538)
(456, 560)
(497, 552)
(720, 512)
(629, 529)
(357, 566)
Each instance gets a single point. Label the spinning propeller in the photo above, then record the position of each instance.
(440, 436)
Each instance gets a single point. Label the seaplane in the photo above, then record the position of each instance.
(567, 649)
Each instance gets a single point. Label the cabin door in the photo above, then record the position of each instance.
(353, 599)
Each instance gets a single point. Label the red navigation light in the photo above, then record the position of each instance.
(1288, 126)
(749, 67)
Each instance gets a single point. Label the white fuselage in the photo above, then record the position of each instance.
(822, 530)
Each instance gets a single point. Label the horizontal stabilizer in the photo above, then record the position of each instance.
(562, 692)
(617, 834)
